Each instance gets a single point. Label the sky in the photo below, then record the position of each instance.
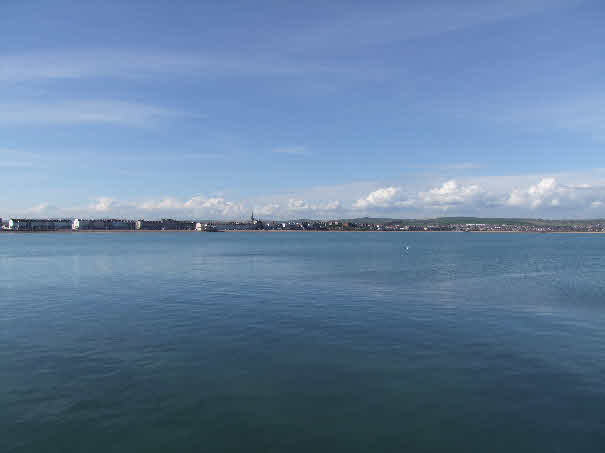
(209, 110)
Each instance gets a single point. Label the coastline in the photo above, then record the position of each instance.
(292, 231)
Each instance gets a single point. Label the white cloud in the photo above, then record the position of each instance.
(370, 27)
(214, 206)
(103, 204)
(295, 150)
(549, 193)
(83, 112)
(535, 195)
(267, 210)
(555, 197)
(330, 205)
(296, 206)
(449, 194)
(195, 207)
(158, 204)
(381, 198)
(134, 64)
(546, 196)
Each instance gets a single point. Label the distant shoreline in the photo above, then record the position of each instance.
(293, 231)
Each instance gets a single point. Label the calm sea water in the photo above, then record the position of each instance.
(302, 342)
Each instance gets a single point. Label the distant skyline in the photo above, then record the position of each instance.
(210, 110)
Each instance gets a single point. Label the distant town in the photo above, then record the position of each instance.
(463, 224)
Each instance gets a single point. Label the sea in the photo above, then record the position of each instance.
(302, 342)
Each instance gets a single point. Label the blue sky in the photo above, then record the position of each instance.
(307, 109)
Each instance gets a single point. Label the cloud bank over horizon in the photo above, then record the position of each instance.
(546, 197)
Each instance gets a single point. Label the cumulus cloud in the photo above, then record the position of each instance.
(268, 209)
(103, 204)
(382, 198)
(214, 206)
(450, 193)
(549, 193)
(302, 206)
(535, 195)
(196, 206)
(330, 205)
(163, 204)
(542, 197)
(297, 205)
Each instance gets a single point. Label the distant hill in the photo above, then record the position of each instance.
(463, 220)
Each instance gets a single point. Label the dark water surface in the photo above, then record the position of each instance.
(302, 342)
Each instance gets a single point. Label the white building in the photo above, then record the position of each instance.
(205, 227)
(88, 224)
